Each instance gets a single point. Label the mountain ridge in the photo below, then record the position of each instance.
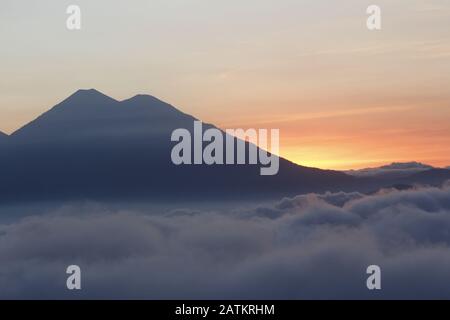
(393, 170)
(93, 147)
(90, 146)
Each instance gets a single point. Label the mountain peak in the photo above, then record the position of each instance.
(80, 107)
(90, 112)
(395, 169)
(407, 165)
(144, 98)
(89, 96)
(145, 101)
(88, 91)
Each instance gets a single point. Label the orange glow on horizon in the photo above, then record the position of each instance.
(360, 138)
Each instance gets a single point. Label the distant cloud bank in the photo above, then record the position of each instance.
(311, 246)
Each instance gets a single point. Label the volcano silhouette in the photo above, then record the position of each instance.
(91, 146)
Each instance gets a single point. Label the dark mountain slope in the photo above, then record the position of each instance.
(433, 177)
(91, 146)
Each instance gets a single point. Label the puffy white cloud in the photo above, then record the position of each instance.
(310, 246)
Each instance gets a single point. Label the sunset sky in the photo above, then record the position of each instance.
(342, 96)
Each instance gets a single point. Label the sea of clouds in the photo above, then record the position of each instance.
(307, 247)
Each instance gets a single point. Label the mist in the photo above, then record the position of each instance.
(314, 246)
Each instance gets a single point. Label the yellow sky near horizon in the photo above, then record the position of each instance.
(342, 96)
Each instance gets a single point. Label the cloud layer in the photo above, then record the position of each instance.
(394, 170)
(311, 246)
